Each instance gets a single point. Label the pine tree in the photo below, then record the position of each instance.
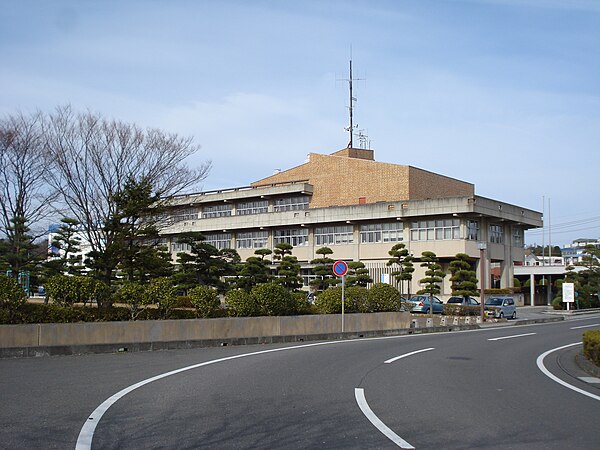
(464, 278)
(358, 275)
(434, 275)
(288, 269)
(401, 258)
(323, 270)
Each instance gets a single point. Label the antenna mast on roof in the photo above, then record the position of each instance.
(350, 129)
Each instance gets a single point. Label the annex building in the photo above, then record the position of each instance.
(359, 208)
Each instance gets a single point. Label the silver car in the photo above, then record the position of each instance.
(462, 301)
(500, 307)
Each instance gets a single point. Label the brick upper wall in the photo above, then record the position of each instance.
(345, 178)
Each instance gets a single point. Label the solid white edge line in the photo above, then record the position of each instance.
(542, 367)
(389, 361)
(359, 394)
(84, 440)
(86, 434)
(585, 326)
(510, 337)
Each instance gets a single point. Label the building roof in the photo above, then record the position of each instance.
(351, 176)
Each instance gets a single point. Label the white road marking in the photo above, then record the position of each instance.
(86, 435)
(540, 364)
(84, 440)
(389, 361)
(586, 326)
(510, 337)
(359, 394)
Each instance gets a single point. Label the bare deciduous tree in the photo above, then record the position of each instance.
(93, 157)
(25, 196)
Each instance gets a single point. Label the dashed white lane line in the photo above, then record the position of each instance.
(542, 367)
(389, 361)
(586, 326)
(359, 394)
(510, 337)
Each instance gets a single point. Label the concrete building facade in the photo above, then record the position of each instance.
(359, 208)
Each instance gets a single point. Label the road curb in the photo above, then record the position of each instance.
(586, 365)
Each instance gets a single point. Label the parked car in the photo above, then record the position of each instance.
(421, 303)
(500, 307)
(462, 301)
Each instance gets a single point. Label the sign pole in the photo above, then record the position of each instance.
(343, 282)
(340, 269)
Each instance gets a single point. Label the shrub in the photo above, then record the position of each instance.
(557, 303)
(205, 299)
(383, 297)
(302, 303)
(12, 296)
(500, 291)
(63, 290)
(273, 300)
(356, 299)
(134, 295)
(92, 290)
(329, 301)
(183, 301)
(162, 292)
(461, 310)
(591, 346)
(240, 303)
(66, 290)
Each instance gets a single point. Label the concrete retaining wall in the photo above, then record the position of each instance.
(103, 337)
(93, 333)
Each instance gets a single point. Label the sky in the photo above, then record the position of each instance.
(504, 94)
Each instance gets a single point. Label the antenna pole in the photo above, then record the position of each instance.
(351, 128)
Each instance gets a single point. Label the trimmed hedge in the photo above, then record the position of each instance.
(461, 310)
(591, 346)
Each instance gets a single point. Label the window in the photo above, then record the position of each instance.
(291, 203)
(496, 234)
(335, 235)
(473, 230)
(256, 207)
(381, 232)
(252, 239)
(216, 211)
(219, 240)
(177, 247)
(430, 230)
(517, 237)
(184, 214)
(293, 236)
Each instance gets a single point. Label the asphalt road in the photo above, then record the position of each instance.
(461, 390)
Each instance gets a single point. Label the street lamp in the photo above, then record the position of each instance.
(482, 246)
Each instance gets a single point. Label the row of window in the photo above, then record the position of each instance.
(435, 230)
(241, 209)
(424, 230)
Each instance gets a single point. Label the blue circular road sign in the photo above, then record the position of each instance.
(340, 268)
